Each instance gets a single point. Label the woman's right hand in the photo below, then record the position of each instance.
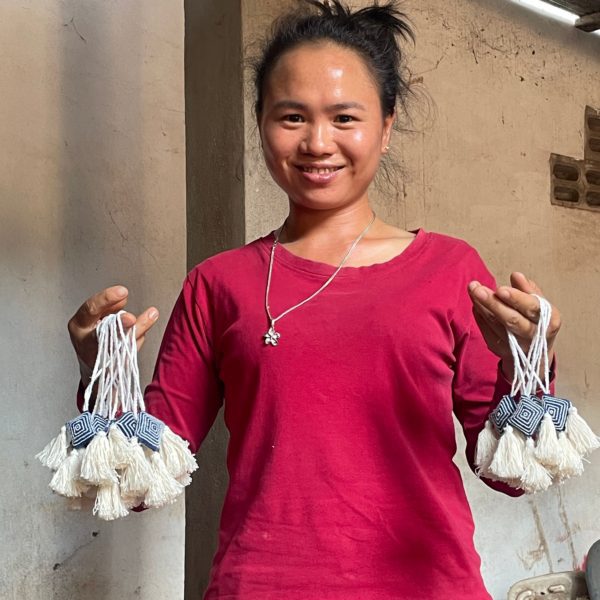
(82, 326)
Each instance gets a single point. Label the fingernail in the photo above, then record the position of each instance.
(153, 314)
(473, 285)
(503, 294)
(481, 293)
(121, 291)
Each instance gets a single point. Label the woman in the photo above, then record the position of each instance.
(340, 344)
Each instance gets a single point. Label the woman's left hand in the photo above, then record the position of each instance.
(514, 308)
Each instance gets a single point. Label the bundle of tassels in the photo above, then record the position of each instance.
(531, 442)
(117, 453)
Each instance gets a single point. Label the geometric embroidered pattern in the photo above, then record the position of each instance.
(127, 423)
(558, 409)
(81, 429)
(100, 423)
(528, 416)
(149, 430)
(500, 415)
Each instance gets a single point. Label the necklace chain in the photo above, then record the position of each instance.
(272, 336)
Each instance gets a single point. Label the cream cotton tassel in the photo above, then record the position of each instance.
(584, 440)
(547, 449)
(507, 463)
(176, 454)
(109, 505)
(56, 451)
(163, 489)
(487, 443)
(66, 479)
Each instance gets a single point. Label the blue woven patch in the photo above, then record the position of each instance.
(500, 415)
(528, 416)
(127, 424)
(558, 409)
(149, 430)
(81, 430)
(100, 423)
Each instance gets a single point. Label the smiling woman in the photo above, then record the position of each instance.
(342, 484)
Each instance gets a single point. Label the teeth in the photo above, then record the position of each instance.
(319, 171)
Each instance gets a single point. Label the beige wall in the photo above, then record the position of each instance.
(93, 189)
(506, 88)
(92, 192)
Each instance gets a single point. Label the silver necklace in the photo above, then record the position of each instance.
(272, 336)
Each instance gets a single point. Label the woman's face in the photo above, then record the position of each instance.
(321, 126)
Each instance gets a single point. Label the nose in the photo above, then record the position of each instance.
(318, 139)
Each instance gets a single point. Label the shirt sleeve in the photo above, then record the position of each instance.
(185, 392)
(478, 383)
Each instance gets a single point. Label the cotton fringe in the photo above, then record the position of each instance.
(118, 456)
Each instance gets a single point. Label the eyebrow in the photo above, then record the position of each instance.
(331, 108)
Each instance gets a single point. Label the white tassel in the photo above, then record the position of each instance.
(96, 465)
(55, 451)
(176, 454)
(163, 489)
(137, 475)
(547, 450)
(66, 479)
(120, 448)
(535, 478)
(109, 505)
(507, 463)
(584, 440)
(571, 463)
(184, 479)
(487, 442)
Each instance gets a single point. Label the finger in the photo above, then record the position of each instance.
(140, 341)
(93, 309)
(511, 319)
(521, 282)
(145, 322)
(523, 302)
(492, 329)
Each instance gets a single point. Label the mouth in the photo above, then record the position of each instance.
(319, 170)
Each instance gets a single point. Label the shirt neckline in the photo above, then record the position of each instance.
(289, 259)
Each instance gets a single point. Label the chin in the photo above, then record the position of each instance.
(319, 202)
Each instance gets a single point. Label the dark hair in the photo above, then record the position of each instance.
(372, 32)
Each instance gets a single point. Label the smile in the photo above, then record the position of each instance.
(319, 170)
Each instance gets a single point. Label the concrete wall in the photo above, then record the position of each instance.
(92, 192)
(215, 221)
(501, 89)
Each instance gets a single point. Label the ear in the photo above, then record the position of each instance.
(388, 124)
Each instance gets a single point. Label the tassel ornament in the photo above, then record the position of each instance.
(117, 456)
(541, 440)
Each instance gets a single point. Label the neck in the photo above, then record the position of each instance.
(328, 227)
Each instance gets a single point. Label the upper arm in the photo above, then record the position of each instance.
(185, 391)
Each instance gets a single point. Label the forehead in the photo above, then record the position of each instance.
(321, 71)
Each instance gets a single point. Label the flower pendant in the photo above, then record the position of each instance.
(271, 337)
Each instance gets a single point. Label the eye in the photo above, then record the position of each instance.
(344, 119)
(294, 118)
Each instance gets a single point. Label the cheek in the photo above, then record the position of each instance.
(363, 145)
(277, 142)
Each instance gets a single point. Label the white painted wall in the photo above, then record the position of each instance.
(92, 192)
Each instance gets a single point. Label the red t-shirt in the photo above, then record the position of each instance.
(342, 484)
